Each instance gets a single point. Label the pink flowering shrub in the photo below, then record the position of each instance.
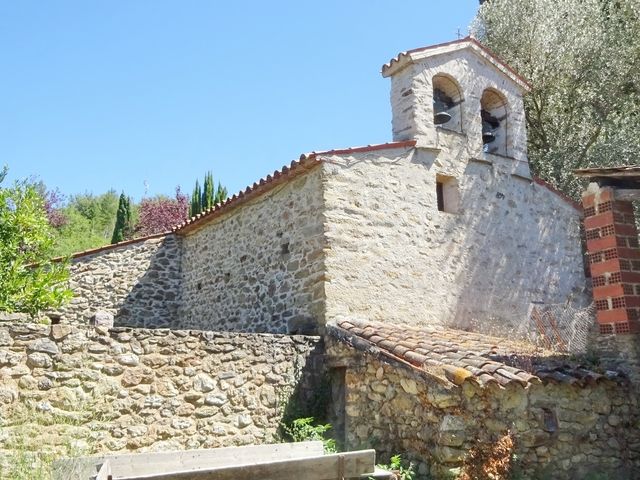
(161, 214)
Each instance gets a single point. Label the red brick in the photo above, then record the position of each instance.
(599, 220)
(601, 243)
(600, 293)
(625, 229)
(605, 194)
(630, 277)
(588, 200)
(609, 266)
(612, 316)
(633, 253)
(624, 207)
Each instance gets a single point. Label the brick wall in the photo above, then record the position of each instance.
(614, 258)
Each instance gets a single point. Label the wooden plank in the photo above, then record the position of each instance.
(628, 195)
(326, 467)
(186, 460)
(104, 473)
(380, 474)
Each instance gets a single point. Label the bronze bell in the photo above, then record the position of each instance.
(489, 125)
(441, 103)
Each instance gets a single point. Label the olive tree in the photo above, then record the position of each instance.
(29, 281)
(582, 58)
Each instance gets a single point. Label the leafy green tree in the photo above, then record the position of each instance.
(583, 59)
(90, 221)
(124, 226)
(29, 281)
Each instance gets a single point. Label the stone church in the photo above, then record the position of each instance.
(383, 268)
(445, 224)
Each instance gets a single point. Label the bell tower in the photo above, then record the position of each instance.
(460, 100)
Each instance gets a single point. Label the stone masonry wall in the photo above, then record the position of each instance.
(392, 256)
(560, 431)
(138, 283)
(259, 268)
(137, 389)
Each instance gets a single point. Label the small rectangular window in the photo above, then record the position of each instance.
(447, 194)
(440, 195)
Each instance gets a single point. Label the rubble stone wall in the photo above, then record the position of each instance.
(259, 268)
(138, 283)
(561, 431)
(125, 389)
(392, 255)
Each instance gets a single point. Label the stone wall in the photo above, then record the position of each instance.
(560, 431)
(618, 352)
(138, 283)
(133, 389)
(259, 268)
(392, 256)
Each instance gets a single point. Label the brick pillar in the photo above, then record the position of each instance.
(614, 258)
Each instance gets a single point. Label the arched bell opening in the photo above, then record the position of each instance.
(493, 113)
(447, 100)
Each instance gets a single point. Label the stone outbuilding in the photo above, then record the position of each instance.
(445, 224)
(437, 394)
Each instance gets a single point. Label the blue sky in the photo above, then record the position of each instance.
(112, 94)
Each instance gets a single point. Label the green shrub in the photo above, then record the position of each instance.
(397, 466)
(303, 430)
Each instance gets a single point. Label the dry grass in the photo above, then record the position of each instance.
(490, 461)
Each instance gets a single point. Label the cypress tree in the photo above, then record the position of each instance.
(221, 194)
(128, 225)
(207, 197)
(208, 192)
(122, 229)
(196, 200)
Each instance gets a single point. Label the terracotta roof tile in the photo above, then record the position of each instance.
(465, 356)
(86, 253)
(562, 195)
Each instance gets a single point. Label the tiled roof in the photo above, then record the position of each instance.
(92, 251)
(621, 171)
(460, 43)
(462, 356)
(306, 162)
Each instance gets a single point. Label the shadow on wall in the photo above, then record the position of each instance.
(312, 397)
(521, 247)
(153, 300)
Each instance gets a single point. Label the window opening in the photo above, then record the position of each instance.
(447, 99)
(440, 196)
(493, 113)
(447, 194)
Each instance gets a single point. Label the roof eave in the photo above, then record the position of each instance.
(404, 59)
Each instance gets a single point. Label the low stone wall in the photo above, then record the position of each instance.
(560, 431)
(618, 352)
(139, 389)
(138, 283)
